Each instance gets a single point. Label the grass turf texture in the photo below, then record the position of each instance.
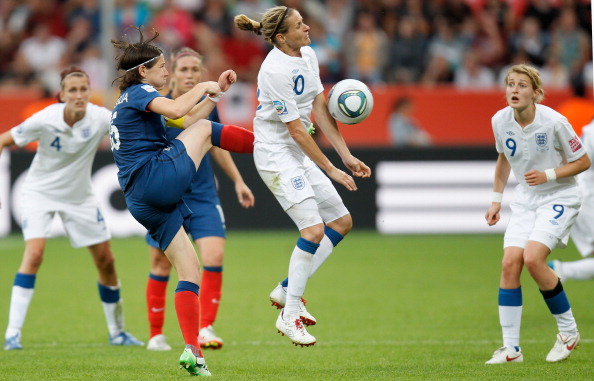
(388, 308)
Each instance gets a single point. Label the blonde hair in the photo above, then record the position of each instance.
(534, 76)
(274, 21)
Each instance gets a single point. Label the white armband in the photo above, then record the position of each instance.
(551, 174)
(217, 97)
(497, 197)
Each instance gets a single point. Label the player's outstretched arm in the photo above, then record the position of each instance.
(328, 126)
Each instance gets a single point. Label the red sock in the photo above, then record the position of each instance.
(234, 139)
(155, 300)
(210, 295)
(187, 307)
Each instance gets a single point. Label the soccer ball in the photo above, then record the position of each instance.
(350, 101)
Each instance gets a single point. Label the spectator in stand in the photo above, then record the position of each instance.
(44, 66)
(130, 12)
(327, 48)
(404, 129)
(473, 75)
(406, 53)
(531, 39)
(554, 74)
(455, 12)
(571, 43)
(215, 15)
(366, 51)
(89, 10)
(445, 52)
(176, 25)
(544, 11)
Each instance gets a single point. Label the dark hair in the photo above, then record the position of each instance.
(274, 21)
(134, 55)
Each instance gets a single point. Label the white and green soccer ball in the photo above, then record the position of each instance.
(350, 101)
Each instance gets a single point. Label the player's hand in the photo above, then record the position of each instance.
(226, 79)
(492, 216)
(535, 177)
(343, 178)
(211, 87)
(244, 195)
(357, 167)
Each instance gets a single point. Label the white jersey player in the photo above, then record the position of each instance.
(290, 162)
(59, 182)
(582, 232)
(540, 146)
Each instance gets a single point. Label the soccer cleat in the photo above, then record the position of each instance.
(278, 297)
(563, 347)
(294, 329)
(158, 343)
(13, 342)
(506, 355)
(195, 365)
(125, 339)
(555, 265)
(208, 339)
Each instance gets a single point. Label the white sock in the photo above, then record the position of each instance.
(322, 254)
(114, 314)
(300, 267)
(19, 305)
(579, 270)
(510, 318)
(566, 323)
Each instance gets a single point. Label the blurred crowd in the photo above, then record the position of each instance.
(465, 43)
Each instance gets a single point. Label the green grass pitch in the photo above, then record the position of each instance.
(388, 308)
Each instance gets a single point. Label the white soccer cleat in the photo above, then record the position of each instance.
(158, 343)
(278, 297)
(506, 355)
(294, 329)
(563, 347)
(208, 339)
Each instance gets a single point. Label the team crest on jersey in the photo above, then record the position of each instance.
(541, 142)
(280, 107)
(86, 133)
(298, 182)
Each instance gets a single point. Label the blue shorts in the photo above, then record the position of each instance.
(155, 197)
(206, 220)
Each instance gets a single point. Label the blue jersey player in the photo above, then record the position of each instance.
(206, 225)
(154, 173)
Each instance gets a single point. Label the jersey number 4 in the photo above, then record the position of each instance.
(56, 143)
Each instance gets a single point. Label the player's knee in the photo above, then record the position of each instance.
(510, 266)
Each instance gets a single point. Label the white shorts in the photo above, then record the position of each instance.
(542, 218)
(582, 232)
(292, 178)
(84, 223)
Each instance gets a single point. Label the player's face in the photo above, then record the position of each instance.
(519, 92)
(76, 93)
(187, 73)
(298, 32)
(156, 75)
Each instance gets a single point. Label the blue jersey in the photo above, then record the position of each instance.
(203, 184)
(136, 133)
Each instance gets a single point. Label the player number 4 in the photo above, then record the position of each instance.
(56, 143)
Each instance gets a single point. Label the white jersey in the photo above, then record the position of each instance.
(586, 178)
(548, 142)
(61, 168)
(287, 87)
